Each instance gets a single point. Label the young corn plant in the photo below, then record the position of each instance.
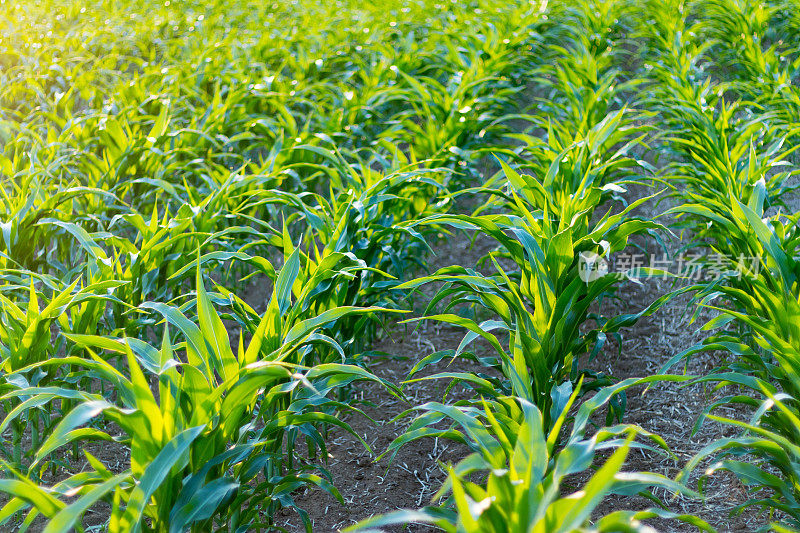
(324, 285)
(544, 305)
(731, 168)
(718, 149)
(440, 127)
(30, 205)
(215, 447)
(27, 338)
(584, 88)
(525, 467)
(581, 166)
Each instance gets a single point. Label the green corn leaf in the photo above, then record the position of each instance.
(65, 520)
(173, 455)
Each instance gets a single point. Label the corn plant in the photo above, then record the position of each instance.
(311, 148)
(26, 338)
(583, 85)
(544, 303)
(526, 465)
(763, 457)
(30, 205)
(197, 450)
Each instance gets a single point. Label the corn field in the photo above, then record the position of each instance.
(221, 220)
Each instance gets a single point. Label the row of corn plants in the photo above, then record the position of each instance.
(732, 181)
(528, 426)
(763, 66)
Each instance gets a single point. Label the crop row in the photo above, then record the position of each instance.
(732, 165)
